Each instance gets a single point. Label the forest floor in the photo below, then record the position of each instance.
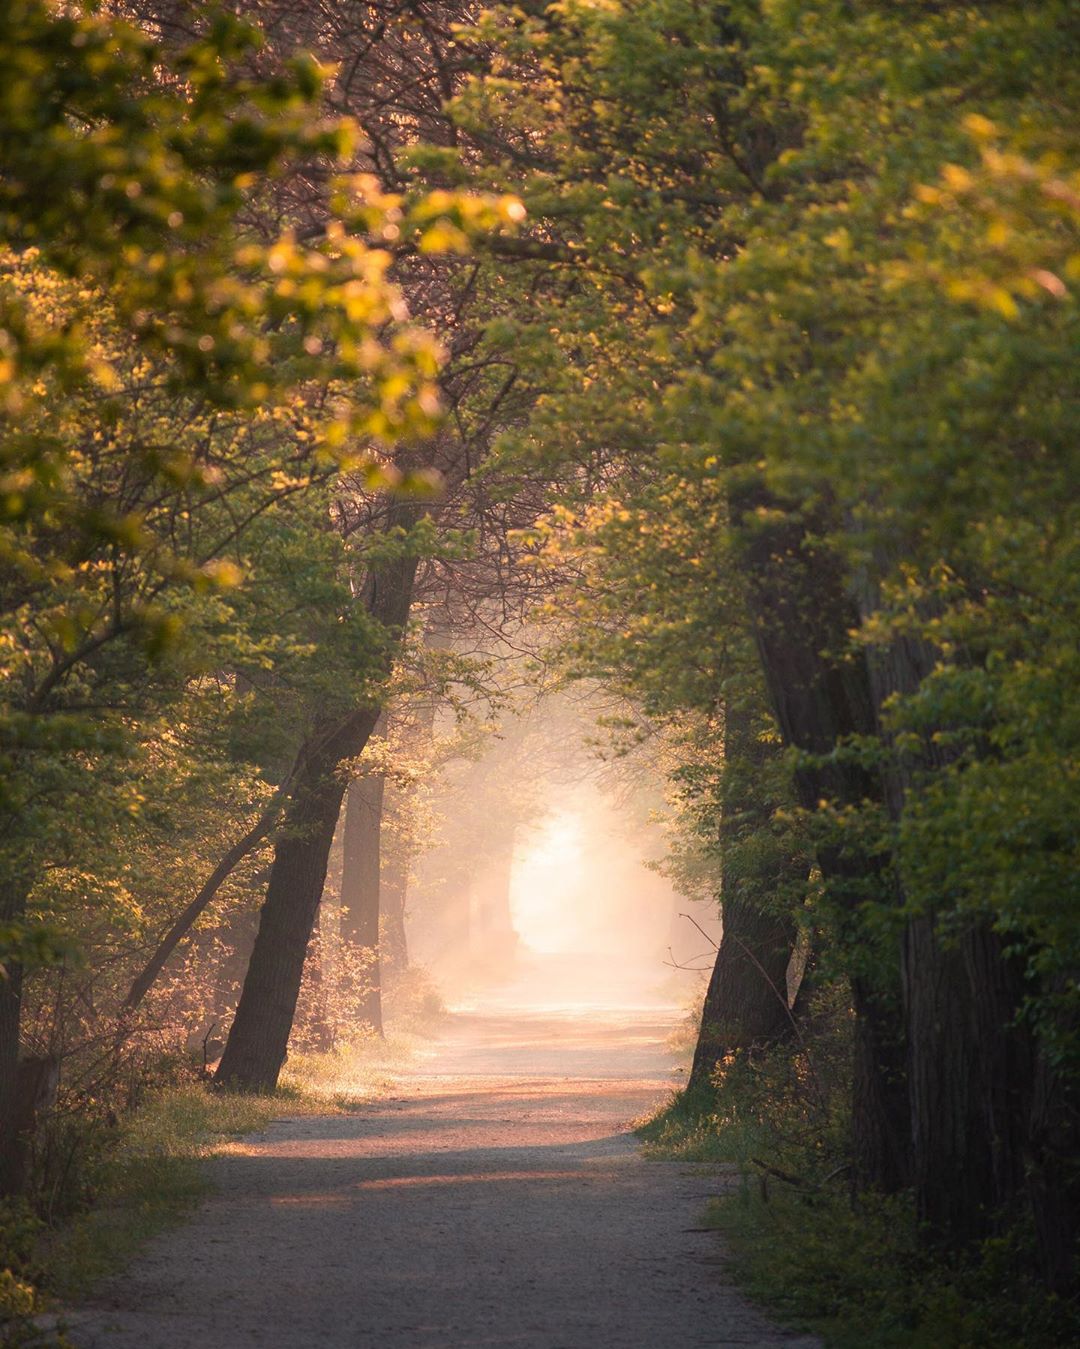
(495, 1198)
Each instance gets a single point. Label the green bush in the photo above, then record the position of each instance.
(858, 1276)
(851, 1268)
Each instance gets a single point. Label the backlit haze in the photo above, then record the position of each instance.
(568, 912)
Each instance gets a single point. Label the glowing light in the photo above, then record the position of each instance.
(546, 873)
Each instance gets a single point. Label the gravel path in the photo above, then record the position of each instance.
(497, 1200)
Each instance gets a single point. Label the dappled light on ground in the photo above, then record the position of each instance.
(493, 1197)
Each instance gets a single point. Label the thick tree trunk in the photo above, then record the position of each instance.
(746, 1001)
(970, 1070)
(802, 620)
(361, 886)
(970, 1065)
(1053, 1179)
(259, 1038)
(10, 1019)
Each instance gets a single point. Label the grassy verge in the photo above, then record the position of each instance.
(343, 1078)
(136, 1179)
(139, 1176)
(150, 1174)
(852, 1272)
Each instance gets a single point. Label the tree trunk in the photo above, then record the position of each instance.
(13, 899)
(1053, 1179)
(970, 1065)
(746, 1001)
(970, 1069)
(259, 1038)
(394, 888)
(360, 885)
(10, 1019)
(802, 618)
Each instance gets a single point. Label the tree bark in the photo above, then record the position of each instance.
(361, 884)
(1052, 1179)
(746, 1002)
(259, 1038)
(803, 617)
(13, 901)
(394, 889)
(970, 1064)
(10, 1019)
(970, 1068)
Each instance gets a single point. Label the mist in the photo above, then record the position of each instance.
(545, 886)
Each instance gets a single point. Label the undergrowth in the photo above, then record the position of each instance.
(858, 1276)
(344, 1077)
(850, 1268)
(134, 1180)
(101, 1186)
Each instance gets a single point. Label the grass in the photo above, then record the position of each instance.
(689, 1129)
(853, 1273)
(346, 1077)
(859, 1277)
(152, 1173)
(139, 1177)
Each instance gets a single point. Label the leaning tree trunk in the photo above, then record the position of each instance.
(803, 616)
(746, 1000)
(259, 1038)
(360, 887)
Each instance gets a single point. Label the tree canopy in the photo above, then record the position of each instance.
(730, 348)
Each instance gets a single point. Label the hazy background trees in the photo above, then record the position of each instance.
(326, 474)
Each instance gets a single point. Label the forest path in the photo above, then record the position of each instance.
(496, 1199)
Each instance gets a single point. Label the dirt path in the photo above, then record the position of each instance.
(497, 1200)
